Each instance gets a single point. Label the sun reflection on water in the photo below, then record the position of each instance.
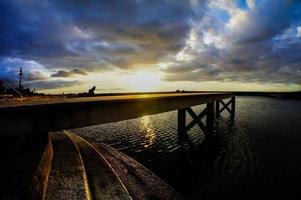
(147, 129)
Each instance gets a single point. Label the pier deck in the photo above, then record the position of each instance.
(45, 115)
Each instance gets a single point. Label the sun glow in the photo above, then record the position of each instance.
(142, 81)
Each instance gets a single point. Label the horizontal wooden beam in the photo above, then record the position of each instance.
(75, 113)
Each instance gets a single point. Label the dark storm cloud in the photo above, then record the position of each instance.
(34, 76)
(8, 75)
(52, 84)
(116, 33)
(29, 29)
(62, 73)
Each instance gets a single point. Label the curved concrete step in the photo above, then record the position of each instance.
(138, 180)
(67, 179)
(83, 169)
(63, 165)
(103, 182)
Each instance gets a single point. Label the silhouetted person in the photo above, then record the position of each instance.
(91, 91)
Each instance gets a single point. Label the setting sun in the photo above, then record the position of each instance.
(142, 81)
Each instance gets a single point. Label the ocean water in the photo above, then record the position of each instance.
(258, 154)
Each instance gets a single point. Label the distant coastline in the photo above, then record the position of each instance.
(280, 95)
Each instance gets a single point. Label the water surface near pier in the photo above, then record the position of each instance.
(257, 154)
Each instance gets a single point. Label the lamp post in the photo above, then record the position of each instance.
(20, 80)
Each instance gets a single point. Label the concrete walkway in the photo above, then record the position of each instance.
(82, 169)
(62, 165)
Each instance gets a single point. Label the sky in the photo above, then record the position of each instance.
(151, 45)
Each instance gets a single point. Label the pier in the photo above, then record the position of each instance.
(211, 112)
(28, 128)
(42, 116)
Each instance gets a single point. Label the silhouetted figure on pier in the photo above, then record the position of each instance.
(91, 91)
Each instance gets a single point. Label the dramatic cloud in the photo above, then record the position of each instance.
(9, 70)
(119, 33)
(53, 84)
(253, 44)
(241, 41)
(63, 73)
(263, 21)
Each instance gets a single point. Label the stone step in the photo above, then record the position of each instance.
(140, 182)
(67, 179)
(63, 165)
(103, 182)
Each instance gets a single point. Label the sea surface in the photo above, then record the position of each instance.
(258, 154)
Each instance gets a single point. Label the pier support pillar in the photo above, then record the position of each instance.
(209, 112)
(212, 111)
(182, 121)
(217, 109)
(233, 108)
(210, 118)
(220, 106)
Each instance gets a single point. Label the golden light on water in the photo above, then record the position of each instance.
(147, 128)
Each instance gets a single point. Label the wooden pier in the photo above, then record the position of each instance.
(28, 122)
(40, 116)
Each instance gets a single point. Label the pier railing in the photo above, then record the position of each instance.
(210, 112)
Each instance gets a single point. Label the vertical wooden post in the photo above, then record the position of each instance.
(181, 121)
(210, 118)
(233, 107)
(217, 113)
